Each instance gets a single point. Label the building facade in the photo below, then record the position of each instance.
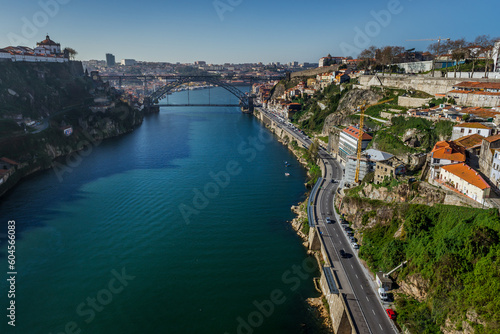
(486, 156)
(445, 153)
(348, 142)
(466, 129)
(495, 169)
(45, 51)
(465, 180)
(389, 168)
(110, 60)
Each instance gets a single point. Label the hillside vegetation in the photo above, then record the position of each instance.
(329, 98)
(38, 90)
(392, 138)
(456, 250)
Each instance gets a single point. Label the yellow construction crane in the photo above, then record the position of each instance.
(360, 138)
(362, 109)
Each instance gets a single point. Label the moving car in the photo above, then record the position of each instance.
(328, 220)
(391, 313)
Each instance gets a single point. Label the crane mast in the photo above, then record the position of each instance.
(360, 140)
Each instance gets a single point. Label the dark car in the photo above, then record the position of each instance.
(342, 253)
(391, 313)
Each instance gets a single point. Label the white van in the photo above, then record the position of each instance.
(382, 294)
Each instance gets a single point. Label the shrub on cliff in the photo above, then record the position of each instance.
(456, 249)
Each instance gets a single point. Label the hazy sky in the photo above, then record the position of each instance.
(239, 31)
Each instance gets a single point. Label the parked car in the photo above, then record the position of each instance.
(382, 294)
(391, 313)
(354, 245)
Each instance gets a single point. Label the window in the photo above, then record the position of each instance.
(462, 130)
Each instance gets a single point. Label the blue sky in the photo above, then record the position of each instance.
(237, 31)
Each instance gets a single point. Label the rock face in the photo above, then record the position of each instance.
(462, 326)
(413, 138)
(356, 207)
(414, 286)
(347, 106)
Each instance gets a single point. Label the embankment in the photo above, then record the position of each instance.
(336, 313)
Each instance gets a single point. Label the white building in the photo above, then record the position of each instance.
(466, 129)
(46, 51)
(368, 161)
(466, 181)
(445, 153)
(128, 62)
(348, 142)
(495, 169)
(48, 47)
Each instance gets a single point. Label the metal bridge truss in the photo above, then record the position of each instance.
(163, 91)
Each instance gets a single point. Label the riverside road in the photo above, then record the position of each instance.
(359, 291)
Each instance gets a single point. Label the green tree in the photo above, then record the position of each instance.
(70, 53)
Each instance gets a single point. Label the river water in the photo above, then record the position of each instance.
(177, 227)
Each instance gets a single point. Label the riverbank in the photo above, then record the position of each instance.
(52, 149)
(300, 223)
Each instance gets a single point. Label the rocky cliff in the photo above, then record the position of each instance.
(347, 106)
(58, 96)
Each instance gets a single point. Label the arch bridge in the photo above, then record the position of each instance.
(151, 99)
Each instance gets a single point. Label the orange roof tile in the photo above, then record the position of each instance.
(491, 139)
(354, 132)
(479, 85)
(472, 125)
(470, 141)
(448, 150)
(467, 174)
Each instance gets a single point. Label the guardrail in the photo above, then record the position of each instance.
(312, 198)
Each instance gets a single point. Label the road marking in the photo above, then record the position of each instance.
(356, 276)
(352, 266)
(380, 326)
(361, 287)
(373, 312)
(367, 298)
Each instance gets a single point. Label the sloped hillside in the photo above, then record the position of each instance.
(37, 90)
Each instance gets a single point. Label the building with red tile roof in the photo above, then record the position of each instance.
(348, 142)
(465, 129)
(470, 141)
(465, 180)
(445, 153)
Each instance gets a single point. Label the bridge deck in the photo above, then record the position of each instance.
(196, 105)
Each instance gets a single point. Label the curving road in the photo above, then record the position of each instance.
(358, 289)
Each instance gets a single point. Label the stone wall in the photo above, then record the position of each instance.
(476, 100)
(405, 101)
(426, 84)
(314, 71)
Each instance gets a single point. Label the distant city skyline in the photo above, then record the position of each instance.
(239, 31)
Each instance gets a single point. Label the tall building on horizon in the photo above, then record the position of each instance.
(110, 60)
